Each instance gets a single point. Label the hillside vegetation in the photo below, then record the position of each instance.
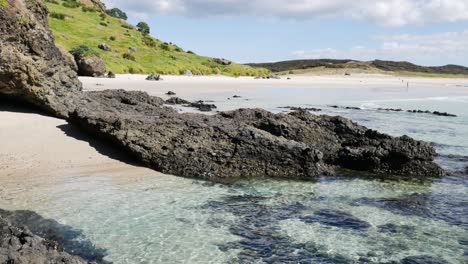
(131, 51)
(377, 66)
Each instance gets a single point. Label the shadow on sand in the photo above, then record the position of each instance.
(101, 146)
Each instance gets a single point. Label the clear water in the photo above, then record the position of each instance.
(168, 219)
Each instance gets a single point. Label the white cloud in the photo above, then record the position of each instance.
(387, 12)
(448, 46)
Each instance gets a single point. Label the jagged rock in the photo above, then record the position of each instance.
(294, 108)
(249, 142)
(222, 61)
(20, 246)
(111, 75)
(32, 68)
(104, 46)
(92, 66)
(177, 101)
(200, 105)
(154, 77)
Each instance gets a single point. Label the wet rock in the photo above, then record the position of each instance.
(295, 108)
(443, 114)
(202, 106)
(170, 93)
(336, 218)
(104, 46)
(154, 77)
(390, 109)
(423, 260)
(55, 236)
(92, 66)
(111, 75)
(19, 245)
(32, 68)
(177, 101)
(437, 113)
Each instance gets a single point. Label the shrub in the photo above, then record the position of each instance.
(112, 38)
(129, 56)
(88, 9)
(190, 52)
(177, 49)
(149, 41)
(82, 51)
(117, 13)
(52, 2)
(102, 16)
(71, 4)
(103, 23)
(143, 27)
(56, 15)
(127, 26)
(165, 46)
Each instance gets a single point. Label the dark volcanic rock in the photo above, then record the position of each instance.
(170, 93)
(20, 246)
(32, 69)
(294, 108)
(202, 106)
(336, 218)
(154, 77)
(66, 238)
(176, 101)
(247, 143)
(92, 66)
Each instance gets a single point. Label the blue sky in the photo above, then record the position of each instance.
(427, 32)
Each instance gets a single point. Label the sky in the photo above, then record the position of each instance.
(426, 32)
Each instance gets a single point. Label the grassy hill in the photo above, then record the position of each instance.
(377, 66)
(84, 25)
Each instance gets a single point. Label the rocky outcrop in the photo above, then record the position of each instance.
(92, 66)
(21, 246)
(32, 68)
(247, 143)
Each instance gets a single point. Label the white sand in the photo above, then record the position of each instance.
(35, 150)
(189, 86)
(36, 147)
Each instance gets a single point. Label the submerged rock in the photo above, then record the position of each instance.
(423, 260)
(32, 68)
(336, 218)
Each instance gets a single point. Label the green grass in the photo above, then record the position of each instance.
(80, 28)
(3, 4)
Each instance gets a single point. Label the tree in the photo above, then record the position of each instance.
(143, 27)
(117, 13)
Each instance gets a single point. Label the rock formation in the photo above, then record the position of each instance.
(247, 143)
(92, 66)
(32, 68)
(20, 246)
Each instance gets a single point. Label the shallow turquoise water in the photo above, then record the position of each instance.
(333, 220)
